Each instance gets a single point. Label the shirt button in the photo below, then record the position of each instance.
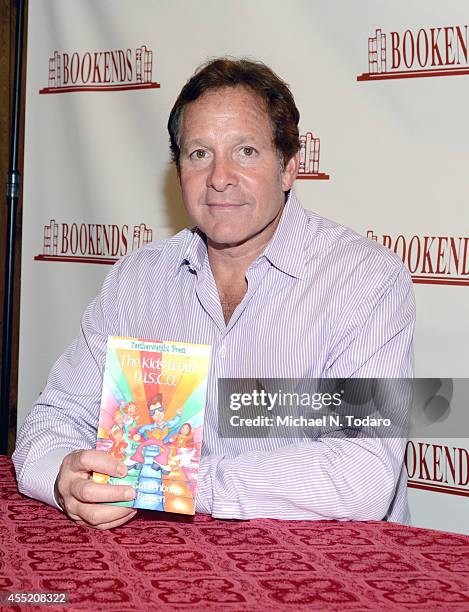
(222, 350)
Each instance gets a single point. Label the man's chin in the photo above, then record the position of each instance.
(223, 237)
(222, 240)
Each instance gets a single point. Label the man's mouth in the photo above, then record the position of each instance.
(224, 205)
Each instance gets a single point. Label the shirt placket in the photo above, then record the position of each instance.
(224, 348)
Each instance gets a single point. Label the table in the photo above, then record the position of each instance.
(159, 561)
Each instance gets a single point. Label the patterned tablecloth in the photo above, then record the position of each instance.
(184, 564)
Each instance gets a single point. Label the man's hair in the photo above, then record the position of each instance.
(260, 80)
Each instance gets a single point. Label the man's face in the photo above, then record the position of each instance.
(232, 183)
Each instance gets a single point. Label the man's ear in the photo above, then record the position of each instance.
(290, 172)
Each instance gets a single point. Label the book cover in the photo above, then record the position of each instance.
(152, 412)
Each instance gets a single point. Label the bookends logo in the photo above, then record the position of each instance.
(310, 148)
(437, 467)
(432, 260)
(428, 52)
(92, 243)
(108, 70)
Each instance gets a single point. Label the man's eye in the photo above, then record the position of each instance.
(248, 151)
(199, 154)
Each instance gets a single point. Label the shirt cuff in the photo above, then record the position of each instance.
(38, 479)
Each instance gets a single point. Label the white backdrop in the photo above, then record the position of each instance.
(393, 157)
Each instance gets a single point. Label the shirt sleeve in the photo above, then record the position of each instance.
(65, 417)
(330, 477)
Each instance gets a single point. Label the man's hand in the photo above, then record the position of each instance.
(79, 495)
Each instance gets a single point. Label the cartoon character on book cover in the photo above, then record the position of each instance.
(152, 410)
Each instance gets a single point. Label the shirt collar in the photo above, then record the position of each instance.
(285, 251)
(194, 250)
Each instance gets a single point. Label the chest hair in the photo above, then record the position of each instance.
(230, 298)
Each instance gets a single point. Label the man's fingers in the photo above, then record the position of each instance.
(111, 524)
(87, 491)
(82, 498)
(96, 461)
(102, 517)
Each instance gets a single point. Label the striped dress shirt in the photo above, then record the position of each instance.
(322, 301)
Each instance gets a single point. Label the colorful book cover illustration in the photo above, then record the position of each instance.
(152, 413)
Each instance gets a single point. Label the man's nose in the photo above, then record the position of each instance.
(222, 173)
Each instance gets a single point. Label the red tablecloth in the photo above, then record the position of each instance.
(182, 564)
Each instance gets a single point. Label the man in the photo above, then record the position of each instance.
(275, 290)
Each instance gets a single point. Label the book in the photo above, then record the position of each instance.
(151, 418)
(302, 166)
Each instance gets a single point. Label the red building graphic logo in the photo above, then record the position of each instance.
(115, 70)
(432, 260)
(310, 148)
(92, 243)
(437, 468)
(427, 52)
(142, 236)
